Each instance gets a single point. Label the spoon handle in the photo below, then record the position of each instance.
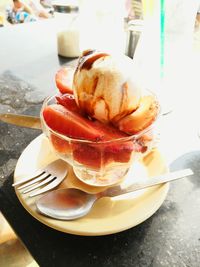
(168, 177)
(21, 120)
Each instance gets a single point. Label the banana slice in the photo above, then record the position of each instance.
(142, 117)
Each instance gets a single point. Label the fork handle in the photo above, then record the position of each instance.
(168, 177)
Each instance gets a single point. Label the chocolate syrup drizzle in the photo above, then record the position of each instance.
(88, 58)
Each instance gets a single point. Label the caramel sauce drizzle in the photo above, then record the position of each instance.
(88, 58)
(87, 64)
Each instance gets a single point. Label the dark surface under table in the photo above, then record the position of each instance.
(171, 237)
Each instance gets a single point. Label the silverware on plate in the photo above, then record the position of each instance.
(71, 203)
(75, 203)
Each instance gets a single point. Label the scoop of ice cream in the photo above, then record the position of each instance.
(105, 86)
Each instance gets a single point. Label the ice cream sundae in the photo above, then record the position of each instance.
(101, 120)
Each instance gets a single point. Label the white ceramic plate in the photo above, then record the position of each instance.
(109, 215)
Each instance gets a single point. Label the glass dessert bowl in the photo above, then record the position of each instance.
(103, 120)
(98, 162)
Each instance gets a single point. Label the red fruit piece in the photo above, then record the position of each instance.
(69, 123)
(87, 155)
(74, 125)
(109, 131)
(122, 151)
(98, 156)
(60, 145)
(68, 101)
(119, 151)
(64, 80)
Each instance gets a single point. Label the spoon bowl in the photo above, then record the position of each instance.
(66, 204)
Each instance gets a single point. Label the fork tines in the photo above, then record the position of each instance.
(46, 179)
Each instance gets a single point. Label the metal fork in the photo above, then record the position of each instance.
(46, 178)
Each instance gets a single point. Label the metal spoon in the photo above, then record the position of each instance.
(71, 203)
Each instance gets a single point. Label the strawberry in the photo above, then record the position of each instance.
(68, 101)
(60, 145)
(64, 80)
(87, 155)
(69, 123)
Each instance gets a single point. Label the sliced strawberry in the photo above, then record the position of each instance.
(110, 132)
(60, 145)
(64, 80)
(74, 125)
(98, 156)
(68, 101)
(87, 155)
(69, 123)
(120, 150)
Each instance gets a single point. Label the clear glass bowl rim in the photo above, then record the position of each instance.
(133, 137)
